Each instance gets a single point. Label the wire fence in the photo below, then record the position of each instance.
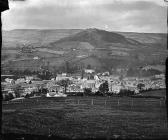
(92, 102)
(117, 102)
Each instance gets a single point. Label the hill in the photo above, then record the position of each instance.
(98, 38)
(37, 37)
(114, 49)
(99, 48)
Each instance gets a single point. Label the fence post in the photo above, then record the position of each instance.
(118, 102)
(105, 102)
(78, 101)
(131, 103)
(92, 101)
(160, 103)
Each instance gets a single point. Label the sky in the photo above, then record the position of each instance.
(111, 15)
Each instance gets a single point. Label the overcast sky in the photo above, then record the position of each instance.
(112, 15)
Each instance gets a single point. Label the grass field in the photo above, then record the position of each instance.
(87, 117)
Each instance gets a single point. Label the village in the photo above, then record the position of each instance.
(75, 84)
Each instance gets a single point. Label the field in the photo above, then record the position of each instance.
(86, 117)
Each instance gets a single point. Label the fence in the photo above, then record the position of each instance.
(117, 102)
(92, 102)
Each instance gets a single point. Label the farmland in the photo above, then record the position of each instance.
(87, 117)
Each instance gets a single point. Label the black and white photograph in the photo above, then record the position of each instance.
(83, 69)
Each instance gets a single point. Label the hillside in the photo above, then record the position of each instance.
(98, 38)
(14, 38)
(101, 49)
(156, 39)
(114, 49)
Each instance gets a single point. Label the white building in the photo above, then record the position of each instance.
(62, 77)
(20, 80)
(11, 81)
(114, 86)
(89, 71)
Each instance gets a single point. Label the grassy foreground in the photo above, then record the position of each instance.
(79, 118)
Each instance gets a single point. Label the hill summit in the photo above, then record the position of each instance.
(97, 37)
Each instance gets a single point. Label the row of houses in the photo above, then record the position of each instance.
(115, 83)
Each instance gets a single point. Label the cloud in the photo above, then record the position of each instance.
(131, 6)
(121, 15)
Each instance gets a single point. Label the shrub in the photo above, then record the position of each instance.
(125, 92)
(98, 93)
(87, 91)
(104, 88)
(8, 97)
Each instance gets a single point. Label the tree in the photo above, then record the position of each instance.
(82, 74)
(104, 88)
(126, 92)
(10, 96)
(140, 86)
(17, 90)
(88, 66)
(64, 83)
(121, 77)
(87, 91)
(67, 67)
(45, 75)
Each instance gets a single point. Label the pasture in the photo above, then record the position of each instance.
(86, 117)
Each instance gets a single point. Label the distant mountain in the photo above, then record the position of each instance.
(126, 49)
(36, 37)
(98, 38)
(39, 37)
(147, 38)
(99, 48)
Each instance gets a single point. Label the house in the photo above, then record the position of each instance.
(36, 58)
(90, 84)
(20, 80)
(106, 73)
(116, 89)
(75, 88)
(114, 86)
(114, 77)
(161, 76)
(89, 71)
(55, 88)
(29, 88)
(62, 76)
(96, 77)
(11, 81)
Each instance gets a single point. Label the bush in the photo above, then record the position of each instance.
(75, 93)
(125, 92)
(109, 94)
(8, 97)
(5, 98)
(87, 91)
(104, 88)
(30, 95)
(11, 96)
(98, 93)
